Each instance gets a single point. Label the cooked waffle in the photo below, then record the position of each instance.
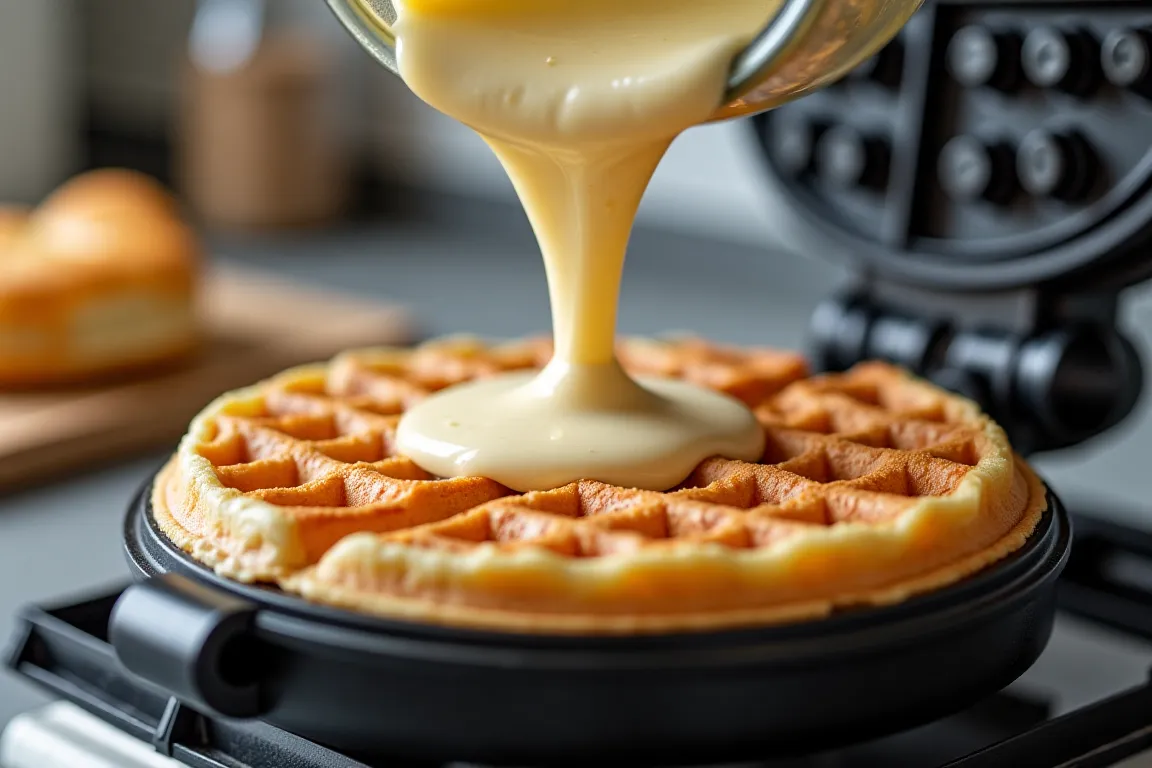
(874, 486)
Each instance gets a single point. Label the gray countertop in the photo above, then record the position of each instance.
(473, 267)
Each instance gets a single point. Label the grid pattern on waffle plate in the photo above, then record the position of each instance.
(854, 447)
(855, 450)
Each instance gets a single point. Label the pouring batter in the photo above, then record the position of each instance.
(579, 99)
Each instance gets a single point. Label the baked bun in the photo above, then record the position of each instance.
(100, 278)
(13, 221)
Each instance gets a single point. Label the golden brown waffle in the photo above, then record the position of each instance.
(874, 486)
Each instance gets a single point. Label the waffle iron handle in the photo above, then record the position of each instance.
(191, 641)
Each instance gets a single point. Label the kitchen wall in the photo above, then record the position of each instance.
(133, 50)
(39, 58)
(711, 182)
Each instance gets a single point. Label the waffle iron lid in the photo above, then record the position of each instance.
(988, 147)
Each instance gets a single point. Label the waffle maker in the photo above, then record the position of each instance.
(988, 174)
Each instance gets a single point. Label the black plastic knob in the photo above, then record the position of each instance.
(1126, 58)
(839, 332)
(1078, 382)
(1055, 165)
(1066, 60)
(848, 158)
(963, 383)
(885, 67)
(969, 169)
(978, 57)
(792, 139)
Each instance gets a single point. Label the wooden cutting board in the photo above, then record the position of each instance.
(257, 324)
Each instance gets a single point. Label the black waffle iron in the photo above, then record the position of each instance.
(989, 174)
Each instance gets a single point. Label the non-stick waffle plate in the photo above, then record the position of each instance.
(372, 686)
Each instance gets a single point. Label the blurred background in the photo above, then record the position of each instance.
(294, 155)
(103, 82)
(306, 147)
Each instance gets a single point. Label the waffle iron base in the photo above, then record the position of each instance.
(369, 686)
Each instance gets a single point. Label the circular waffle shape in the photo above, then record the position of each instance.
(873, 487)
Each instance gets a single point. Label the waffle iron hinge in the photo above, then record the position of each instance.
(1052, 368)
